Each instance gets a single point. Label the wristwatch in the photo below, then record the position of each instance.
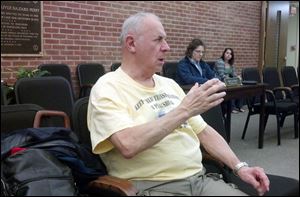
(238, 166)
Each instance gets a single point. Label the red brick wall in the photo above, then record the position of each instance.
(76, 32)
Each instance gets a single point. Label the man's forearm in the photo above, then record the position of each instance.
(133, 140)
(217, 147)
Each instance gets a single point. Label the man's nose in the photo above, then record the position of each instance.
(165, 46)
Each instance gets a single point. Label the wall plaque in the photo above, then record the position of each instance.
(21, 28)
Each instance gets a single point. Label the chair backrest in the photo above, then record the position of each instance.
(62, 70)
(271, 77)
(18, 116)
(251, 74)
(289, 76)
(89, 73)
(169, 69)
(115, 66)
(214, 118)
(80, 120)
(51, 93)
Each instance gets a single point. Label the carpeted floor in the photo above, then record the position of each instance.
(280, 160)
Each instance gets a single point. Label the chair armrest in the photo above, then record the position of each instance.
(286, 90)
(208, 157)
(270, 96)
(120, 186)
(282, 89)
(46, 113)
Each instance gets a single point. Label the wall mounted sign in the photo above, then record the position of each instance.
(21, 28)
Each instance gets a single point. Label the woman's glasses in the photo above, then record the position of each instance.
(199, 51)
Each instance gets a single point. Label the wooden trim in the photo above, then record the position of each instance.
(263, 20)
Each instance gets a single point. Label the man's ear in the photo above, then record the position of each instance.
(130, 45)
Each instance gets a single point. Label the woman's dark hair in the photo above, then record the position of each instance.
(192, 46)
(231, 61)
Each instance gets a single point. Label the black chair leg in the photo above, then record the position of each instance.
(282, 120)
(266, 120)
(246, 125)
(278, 129)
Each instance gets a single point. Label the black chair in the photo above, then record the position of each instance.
(169, 70)
(18, 116)
(51, 93)
(115, 66)
(62, 70)
(289, 79)
(21, 116)
(272, 79)
(88, 74)
(105, 184)
(283, 93)
(214, 117)
(273, 106)
(80, 121)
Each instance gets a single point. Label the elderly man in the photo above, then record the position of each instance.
(148, 131)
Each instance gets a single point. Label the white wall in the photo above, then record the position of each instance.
(293, 40)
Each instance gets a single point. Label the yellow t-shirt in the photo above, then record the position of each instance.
(118, 102)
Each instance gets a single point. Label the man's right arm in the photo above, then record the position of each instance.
(133, 140)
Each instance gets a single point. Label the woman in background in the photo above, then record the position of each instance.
(225, 69)
(192, 69)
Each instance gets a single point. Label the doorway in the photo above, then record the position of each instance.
(280, 35)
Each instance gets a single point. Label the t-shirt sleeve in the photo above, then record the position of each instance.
(106, 115)
(197, 123)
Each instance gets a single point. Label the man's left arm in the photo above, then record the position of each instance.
(218, 148)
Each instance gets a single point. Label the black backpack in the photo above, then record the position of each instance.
(35, 172)
(61, 144)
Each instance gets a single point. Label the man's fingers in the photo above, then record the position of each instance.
(209, 83)
(215, 88)
(216, 96)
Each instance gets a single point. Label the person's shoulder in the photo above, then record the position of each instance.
(107, 78)
(184, 60)
(219, 61)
